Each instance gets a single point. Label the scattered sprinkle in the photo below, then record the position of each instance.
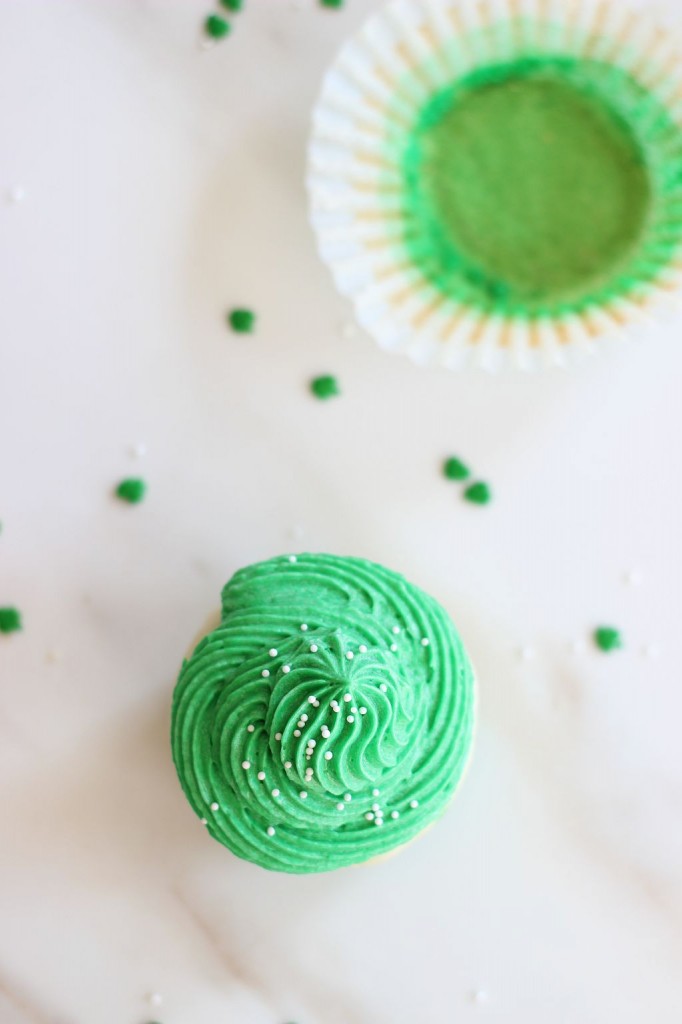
(271, 830)
(652, 651)
(278, 736)
(304, 627)
(340, 807)
(480, 996)
(347, 697)
(246, 765)
(325, 387)
(250, 728)
(350, 655)
(10, 620)
(273, 652)
(395, 814)
(328, 756)
(286, 669)
(275, 792)
(378, 821)
(362, 648)
(325, 732)
(131, 490)
(232, 5)
(396, 630)
(265, 673)
(363, 711)
(478, 493)
(369, 816)
(312, 699)
(303, 795)
(394, 647)
(215, 806)
(383, 688)
(425, 641)
(347, 797)
(217, 28)
(313, 648)
(292, 559)
(527, 653)
(455, 469)
(261, 776)
(287, 765)
(350, 718)
(414, 803)
(608, 639)
(375, 792)
(297, 733)
(139, 450)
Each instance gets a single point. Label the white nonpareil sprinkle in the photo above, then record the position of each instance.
(383, 688)
(328, 756)
(394, 647)
(313, 648)
(425, 641)
(271, 831)
(347, 797)
(250, 728)
(350, 718)
(396, 629)
(336, 709)
(246, 765)
(312, 743)
(303, 795)
(278, 736)
(362, 649)
(286, 669)
(369, 816)
(292, 558)
(304, 718)
(363, 711)
(215, 806)
(395, 814)
(375, 807)
(265, 673)
(340, 807)
(287, 765)
(312, 699)
(347, 697)
(261, 776)
(375, 792)
(350, 655)
(275, 792)
(273, 652)
(204, 821)
(297, 733)
(325, 732)
(304, 627)
(414, 803)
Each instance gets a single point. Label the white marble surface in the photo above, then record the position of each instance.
(163, 183)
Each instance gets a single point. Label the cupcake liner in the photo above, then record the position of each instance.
(417, 291)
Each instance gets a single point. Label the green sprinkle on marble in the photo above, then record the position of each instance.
(216, 27)
(233, 5)
(455, 469)
(478, 493)
(608, 639)
(131, 490)
(332, 3)
(10, 620)
(325, 387)
(243, 321)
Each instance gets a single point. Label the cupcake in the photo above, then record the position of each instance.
(500, 178)
(327, 720)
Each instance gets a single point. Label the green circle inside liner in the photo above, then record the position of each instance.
(542, 186)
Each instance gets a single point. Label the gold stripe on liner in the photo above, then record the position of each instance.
(593, 329)
(384, 273)
(450, 326)
(561, 331)
(374, 187)
(369, 216)
(648, 54)
(534, 334)
(380, 242)
(426, 312)
(383, 75)
(504, 335)
(665, 72)
(619, 40)
(369, 128)
(477, 330)
(367, 157)
(596, 29)
(460, 27)
(428, 35)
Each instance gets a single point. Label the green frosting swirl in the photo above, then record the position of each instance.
(329, 717)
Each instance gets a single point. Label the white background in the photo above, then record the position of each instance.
(163, 185)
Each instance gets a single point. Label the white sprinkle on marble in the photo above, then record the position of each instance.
(312, 743)
(204, 821)
(304, 718)
(369, 816)
(287, 765)
(383, 688)
(340, 807)
(347, 797)
(377, 808)
(378, 821)
(312, 699)
(375, 792)
(297, 733)
(292, 559)
(246, 765)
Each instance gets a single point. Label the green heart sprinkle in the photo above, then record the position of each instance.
(243, 321)
(216, 27)
(608, 639)
(131, 490)
(455, 469)
(10, 620)
(233, 5)
(478, 493)
(325, 387)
